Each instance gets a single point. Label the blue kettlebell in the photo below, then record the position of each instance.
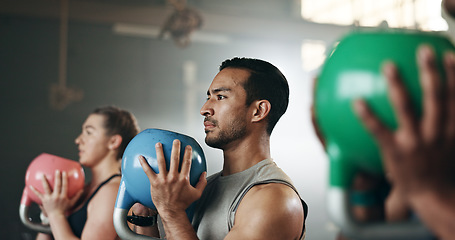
(135, 186)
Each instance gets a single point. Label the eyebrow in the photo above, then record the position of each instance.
(89, 127)
(217, 90)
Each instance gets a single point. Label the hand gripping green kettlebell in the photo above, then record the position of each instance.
(353, 71)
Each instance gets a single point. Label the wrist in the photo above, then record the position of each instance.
(429, 196)
(55, 217)
(170, 215)
(142, 221)
(44, 219)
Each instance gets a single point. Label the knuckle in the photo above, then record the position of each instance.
(172, 178)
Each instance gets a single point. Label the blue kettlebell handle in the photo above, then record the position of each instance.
(122, 228)
(122, 205)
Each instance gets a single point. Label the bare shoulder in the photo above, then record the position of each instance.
(106, 192)
(273, 188)
(104, 199)
(279, 196)
(100, 211)
(273, 210)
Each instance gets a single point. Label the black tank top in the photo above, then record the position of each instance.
(77, 219)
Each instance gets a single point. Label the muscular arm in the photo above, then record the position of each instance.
(269, 211)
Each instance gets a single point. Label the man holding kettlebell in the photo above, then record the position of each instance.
(251, 198)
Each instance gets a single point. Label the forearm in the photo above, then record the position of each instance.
(178, 226)
(151, 231)
(437, 211)
(43, 236)
(61, 229)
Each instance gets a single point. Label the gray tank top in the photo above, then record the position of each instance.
(215, 210)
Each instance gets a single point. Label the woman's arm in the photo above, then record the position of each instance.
(56, 203)
(43, 236)
(100, 210)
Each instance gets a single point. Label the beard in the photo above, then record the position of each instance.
(236, 130)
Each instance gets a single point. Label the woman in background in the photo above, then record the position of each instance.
(105, 134)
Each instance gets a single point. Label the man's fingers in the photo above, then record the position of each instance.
(449, 64)
(186, 163)
(399, 98)
(175, 157)
(161, 161)
(147, 169)
(202, 183)
(432, 95)
(372, 123)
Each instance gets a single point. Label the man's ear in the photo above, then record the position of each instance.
(261, 110)
(114, 142)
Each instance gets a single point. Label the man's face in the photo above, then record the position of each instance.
(225, 110)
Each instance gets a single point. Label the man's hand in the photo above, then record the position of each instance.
(419, 154)
(171, 190)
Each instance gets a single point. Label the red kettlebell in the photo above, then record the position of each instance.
(47, 164)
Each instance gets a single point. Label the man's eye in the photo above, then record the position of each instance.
(220, 97)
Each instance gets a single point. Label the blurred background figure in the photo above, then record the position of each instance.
(418, 155)
(105, 135)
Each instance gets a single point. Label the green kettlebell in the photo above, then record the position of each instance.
(353, 71)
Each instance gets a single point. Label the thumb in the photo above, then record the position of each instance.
(76, 197)
(202, 183)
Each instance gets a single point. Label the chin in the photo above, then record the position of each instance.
(82, 161)
(213, 143)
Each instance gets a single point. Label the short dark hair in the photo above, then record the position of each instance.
(121, 122)
(266, 82)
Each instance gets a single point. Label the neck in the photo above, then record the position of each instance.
(245, 153)
(109, 166)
